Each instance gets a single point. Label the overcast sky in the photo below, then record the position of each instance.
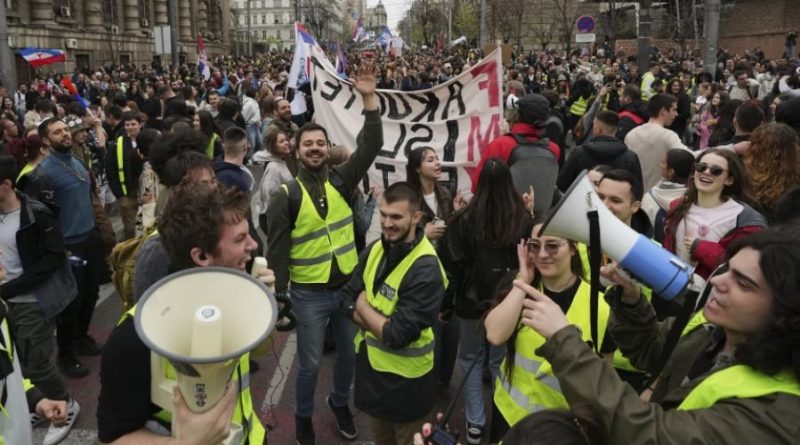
(395, 9)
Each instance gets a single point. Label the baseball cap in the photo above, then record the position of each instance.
(534, 105)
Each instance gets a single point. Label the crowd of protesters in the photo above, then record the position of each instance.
(705, 163)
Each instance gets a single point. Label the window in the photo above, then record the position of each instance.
(286, 17)
(264, 19)
(285, 3)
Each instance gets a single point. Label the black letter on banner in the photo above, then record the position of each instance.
(352, 97)
(454, 96)
(399, 144)
(431, 103)
(385, 169)
(418, 139)
(394, 113)
(450, 144)
(336, 89)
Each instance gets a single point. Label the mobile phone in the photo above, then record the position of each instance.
(437, 222)
(440, 436)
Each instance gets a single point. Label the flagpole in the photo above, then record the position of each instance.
(7, 74)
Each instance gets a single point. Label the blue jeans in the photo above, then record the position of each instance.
(313, 309)
(472, 342)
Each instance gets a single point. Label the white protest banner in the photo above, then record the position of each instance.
(457, 118)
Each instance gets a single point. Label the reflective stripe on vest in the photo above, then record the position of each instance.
(211, 144)
(243, 413)
(416, 359)
(315, 242)
(25, 170)
(741, 382)
(121, 167)
(578, 107)
(533, 386)
(647, 92)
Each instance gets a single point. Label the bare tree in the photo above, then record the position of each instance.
(682, 22)
(541, 25)
(566, 14)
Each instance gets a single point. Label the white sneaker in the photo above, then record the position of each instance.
(56, 434)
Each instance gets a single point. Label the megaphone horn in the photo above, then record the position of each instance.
(667, 274)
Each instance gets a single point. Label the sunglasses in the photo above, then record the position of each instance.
(551, 247)
(715, 170)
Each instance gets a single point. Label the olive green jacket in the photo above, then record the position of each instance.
(586, 378)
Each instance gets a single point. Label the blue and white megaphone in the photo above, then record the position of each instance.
(667, 274)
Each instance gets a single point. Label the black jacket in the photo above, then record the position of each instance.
(626, 124)
(40, 247)
(233, 175)
(598, 150)
(132, 167)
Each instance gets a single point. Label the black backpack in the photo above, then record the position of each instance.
(532, 164)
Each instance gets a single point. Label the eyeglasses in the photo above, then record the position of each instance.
(715, 170)
(551, 247)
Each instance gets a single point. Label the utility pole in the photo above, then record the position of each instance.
(643, 36)
(172, 6)
(249, 31)
(6, 58)
(712, 36)
(483, 25)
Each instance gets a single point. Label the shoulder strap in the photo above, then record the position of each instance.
(634, 117)
(295, 198)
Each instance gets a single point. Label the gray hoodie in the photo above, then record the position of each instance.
(660, 196)
(276, 173)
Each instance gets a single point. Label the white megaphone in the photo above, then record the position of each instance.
(667, 274)
(202, 321)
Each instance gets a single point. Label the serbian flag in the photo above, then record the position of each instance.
(385, 38)
(66, 82)
(341, 62)
(42, 56)
(359, 33)
(202, 61)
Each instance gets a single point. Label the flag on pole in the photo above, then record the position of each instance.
(66, 82)
(42, 56)
(202, 60)
(305, 47)
(341, 61)
(359, 32)
(385, 38)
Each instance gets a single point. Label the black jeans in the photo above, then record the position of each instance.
(73, 322)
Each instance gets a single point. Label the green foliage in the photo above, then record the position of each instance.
(466, 21)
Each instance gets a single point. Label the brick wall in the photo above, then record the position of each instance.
(764, 23)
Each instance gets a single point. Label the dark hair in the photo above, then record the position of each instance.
(622, 175)
(777, 345)
(632, 91)
(44, 106)
(738, 190)
(227, 107)
(114, 111)
(120, 100)
(403, 191)
(608, 117)
(170, 145)
(724, 130)
(131, 116)
(577, 426)
(178, 167)
(271, 139)
(267, 106)
(787, 207)
(43, 130)
(311, 126)
(74, 108)
(145, 140)
(8, 169)
(415, 158)
(749, 116)
(497, 212)
(233, 135)
(682, 164)
(660, 102)
(208, 125)
(194, 217)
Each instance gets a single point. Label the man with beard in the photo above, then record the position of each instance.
(63, 184)
(282, 120)
(397, 290)
(312, 244)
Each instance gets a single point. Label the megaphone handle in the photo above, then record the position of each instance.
(595, 255)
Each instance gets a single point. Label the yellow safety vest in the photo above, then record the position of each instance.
(533, 385)
(578, 107)
(741, 382)
(120, 167)
(316, 241)
(647, 92)
(254, 432)
(416, 359)
(210, 146)
(25, 170)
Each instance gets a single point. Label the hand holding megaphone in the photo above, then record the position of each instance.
(630, 288)
(210, 427)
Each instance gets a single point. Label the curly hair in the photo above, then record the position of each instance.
(773, 162)
(195, 216)
(777, 346)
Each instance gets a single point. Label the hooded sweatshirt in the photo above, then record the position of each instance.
(275, 174)
(656, 202)
(598, 150)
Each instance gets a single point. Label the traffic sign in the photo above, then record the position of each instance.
(586, 24)
(588, 37)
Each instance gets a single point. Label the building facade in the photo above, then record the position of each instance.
(99, 32)
(375, 18)
(271, 22)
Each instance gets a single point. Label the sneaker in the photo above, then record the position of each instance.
(72, 367)
(474, 434)
(87, 346)
(37, 420)
(304, 431)
(344, 419)
(56, 434)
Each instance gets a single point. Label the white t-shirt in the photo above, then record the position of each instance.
(9, 255)
(430, 199)
(706, 224)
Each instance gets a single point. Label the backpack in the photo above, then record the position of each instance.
(122, 262)
(634, 117)
(532, 164)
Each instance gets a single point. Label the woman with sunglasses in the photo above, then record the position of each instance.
(714, 211)
(526, 383)
(732, 380)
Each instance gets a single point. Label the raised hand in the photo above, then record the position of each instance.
(526, 269)
(366, 79)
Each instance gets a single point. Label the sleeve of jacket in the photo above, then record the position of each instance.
(624, 127)
(636, 166)
(279, 240)
(112, 175)
(37, 185)
(421, 295)
(52, 254)
(370, 142)
(587, 378)
(569, 171)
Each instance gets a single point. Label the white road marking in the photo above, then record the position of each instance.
(281, 374)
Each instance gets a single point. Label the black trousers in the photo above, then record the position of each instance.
(74, 320)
